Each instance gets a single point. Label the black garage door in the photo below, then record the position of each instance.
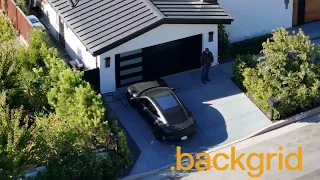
(157, 61)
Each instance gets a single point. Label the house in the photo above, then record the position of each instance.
(258, 17)
(135, 40)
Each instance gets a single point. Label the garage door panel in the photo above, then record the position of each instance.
(158, 61)
(171, 58)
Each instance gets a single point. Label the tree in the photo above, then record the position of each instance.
(52, 117)
(223, 43)
(286, 72)
(15, 140)
(6, 30)
(9, 67)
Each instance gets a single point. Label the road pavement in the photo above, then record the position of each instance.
(305, 133)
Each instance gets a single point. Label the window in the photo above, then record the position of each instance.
(165, 100)
(150, 106)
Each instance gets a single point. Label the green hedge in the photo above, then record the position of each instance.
(223, 43)
(317, 50)
(249, 46)
(242, 62)
(286, 73)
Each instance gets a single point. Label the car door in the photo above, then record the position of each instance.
(148, 111)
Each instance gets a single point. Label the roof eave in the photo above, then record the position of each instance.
(160, 22)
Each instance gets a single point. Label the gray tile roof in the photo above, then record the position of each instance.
(104, 24)
(192, 9)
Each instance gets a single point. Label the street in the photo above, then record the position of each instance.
(305, 133)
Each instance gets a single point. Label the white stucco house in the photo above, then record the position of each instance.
(135, 40)
(254, 18)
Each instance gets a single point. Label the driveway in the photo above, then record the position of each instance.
(222, 111)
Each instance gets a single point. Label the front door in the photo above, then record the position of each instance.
(305, 11)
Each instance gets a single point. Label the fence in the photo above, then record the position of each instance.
(17, 17)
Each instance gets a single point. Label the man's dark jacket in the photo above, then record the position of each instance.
(206, 59)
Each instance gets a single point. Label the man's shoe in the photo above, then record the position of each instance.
(208, 80)
(203, 82)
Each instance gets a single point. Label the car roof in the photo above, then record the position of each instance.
(168, 104)
(33, 19)
(141, 87)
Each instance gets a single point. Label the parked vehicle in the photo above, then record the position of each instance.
(158, 104)
(35, 22)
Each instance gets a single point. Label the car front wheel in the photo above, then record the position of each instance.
(157, 135)
(130, 102)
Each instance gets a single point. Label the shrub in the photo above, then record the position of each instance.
(241, 63)
(287, 73)
(223, 43)
(249, 46)
(68, 122)
(22, 5)
(6, 30)
(317, 51)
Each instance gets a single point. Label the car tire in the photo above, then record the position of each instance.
(157, 136)
(130, 102)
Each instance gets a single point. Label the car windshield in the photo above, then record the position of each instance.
(165, 100)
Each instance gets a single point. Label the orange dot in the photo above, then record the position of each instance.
(172, 168)
(280, 148)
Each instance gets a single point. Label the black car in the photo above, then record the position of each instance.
(169, 118)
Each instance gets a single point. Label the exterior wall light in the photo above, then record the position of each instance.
(107, 61)
(211, 36)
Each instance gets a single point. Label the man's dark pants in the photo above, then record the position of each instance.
(205, 73)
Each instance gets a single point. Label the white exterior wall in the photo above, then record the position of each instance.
(213, 46)
(73, 45)
(77, 50)
(256, 17)
(162, 34)
(53, 19)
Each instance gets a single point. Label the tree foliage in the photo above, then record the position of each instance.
(52, 117)
(286, 72)
(223, 43)
(6, 30)
(15, 140)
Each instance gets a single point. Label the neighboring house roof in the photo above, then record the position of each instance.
(189, 11)
(102, 25)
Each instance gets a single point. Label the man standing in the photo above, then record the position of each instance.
(206, 60)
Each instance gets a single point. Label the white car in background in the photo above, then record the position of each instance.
(35, 22)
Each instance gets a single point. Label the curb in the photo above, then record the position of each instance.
(264, 130)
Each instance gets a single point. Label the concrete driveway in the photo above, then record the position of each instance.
(222, 111)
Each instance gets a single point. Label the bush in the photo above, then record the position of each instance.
(7, 32)
(223, 43)
(241, 63)
(287, 73)
(317, 51)
(22, 5)
(249, 46)
(67, 123)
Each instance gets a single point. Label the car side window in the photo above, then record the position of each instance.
(150, 106)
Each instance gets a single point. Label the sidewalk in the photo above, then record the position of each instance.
(305, 133)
